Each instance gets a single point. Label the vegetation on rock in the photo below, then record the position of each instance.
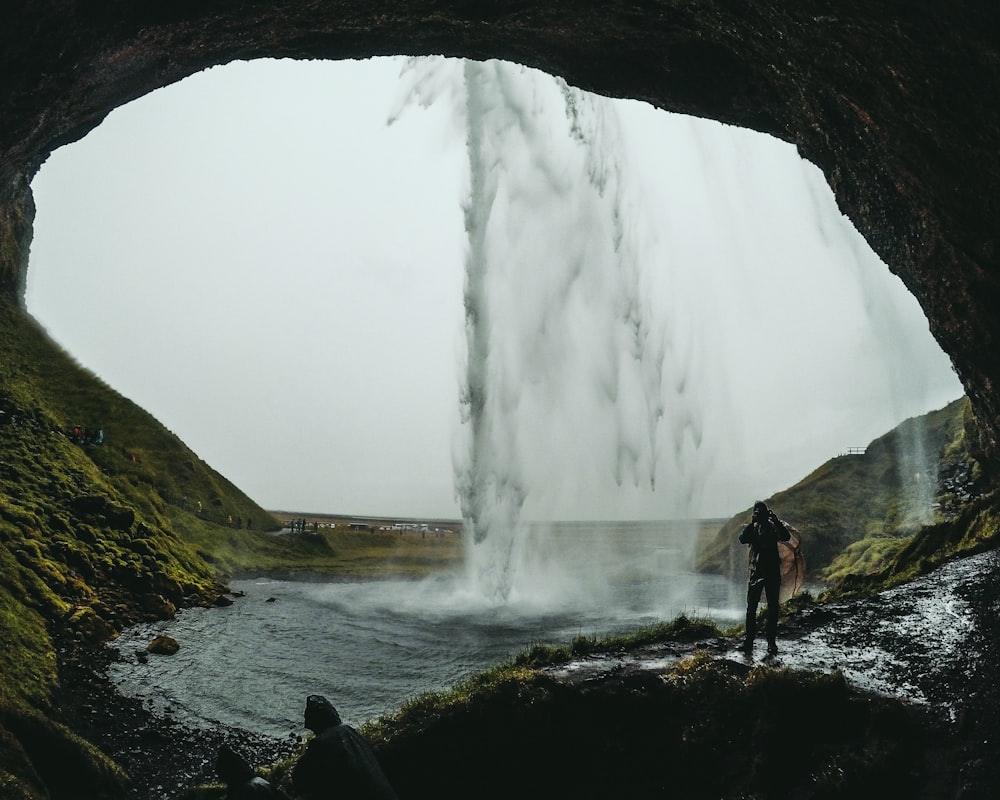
(86, 541)
(860, 513)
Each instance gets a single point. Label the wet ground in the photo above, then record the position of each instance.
(932, 642)
(919, 642)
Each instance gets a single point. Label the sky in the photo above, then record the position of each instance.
(270, 258)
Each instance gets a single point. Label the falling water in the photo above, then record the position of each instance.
(560, 343)
(572, 384)
(918, 475)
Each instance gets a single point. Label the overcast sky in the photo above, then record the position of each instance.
(257, 258)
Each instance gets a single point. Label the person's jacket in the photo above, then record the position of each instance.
(763, 538)
(338, 761)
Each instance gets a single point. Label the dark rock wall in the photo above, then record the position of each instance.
(895, 101)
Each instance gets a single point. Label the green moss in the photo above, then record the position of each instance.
(44, 752)
(17, 776)
(85, 530)
(871, 555)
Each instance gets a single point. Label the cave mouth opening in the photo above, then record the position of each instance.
(231, 241)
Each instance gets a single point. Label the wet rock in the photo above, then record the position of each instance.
(162, 584)
(163, 645)
(140, 546)
(222, 601)
(89, 625)
(88, 505)
(156, 606)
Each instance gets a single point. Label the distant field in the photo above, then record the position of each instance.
(353, 546)
(339, 521)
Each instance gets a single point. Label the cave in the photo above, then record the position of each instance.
(894, 103)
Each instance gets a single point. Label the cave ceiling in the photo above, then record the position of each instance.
(896, 102)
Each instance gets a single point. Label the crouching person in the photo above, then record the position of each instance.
(338, 761)
(238, 775)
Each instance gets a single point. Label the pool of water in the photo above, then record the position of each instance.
(371, 646)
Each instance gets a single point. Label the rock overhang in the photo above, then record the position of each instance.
(892, 102)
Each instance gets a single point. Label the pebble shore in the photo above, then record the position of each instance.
(161, 756)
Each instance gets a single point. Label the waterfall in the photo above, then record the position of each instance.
(613, 336)
(560, 347)
(564, 364)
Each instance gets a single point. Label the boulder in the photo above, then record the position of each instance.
(163, 645)
(101, 512)
(157, 606)
(89, 625)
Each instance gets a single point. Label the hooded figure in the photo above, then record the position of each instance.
(763, 533)
(338, 761)
(237, 774)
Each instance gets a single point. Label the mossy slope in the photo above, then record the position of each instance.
(86, 543)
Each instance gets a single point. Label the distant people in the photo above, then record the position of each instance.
(762, 534)
(338, 761)
(238, 775)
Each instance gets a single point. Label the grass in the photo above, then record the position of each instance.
(974, 529)
(86, 537)
(708, 727)
(421, 711)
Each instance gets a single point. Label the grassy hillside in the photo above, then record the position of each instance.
(858, 512)
(87, 541)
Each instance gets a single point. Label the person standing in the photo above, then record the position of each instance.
(762, 534)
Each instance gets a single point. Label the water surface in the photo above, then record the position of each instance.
(370, 646)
